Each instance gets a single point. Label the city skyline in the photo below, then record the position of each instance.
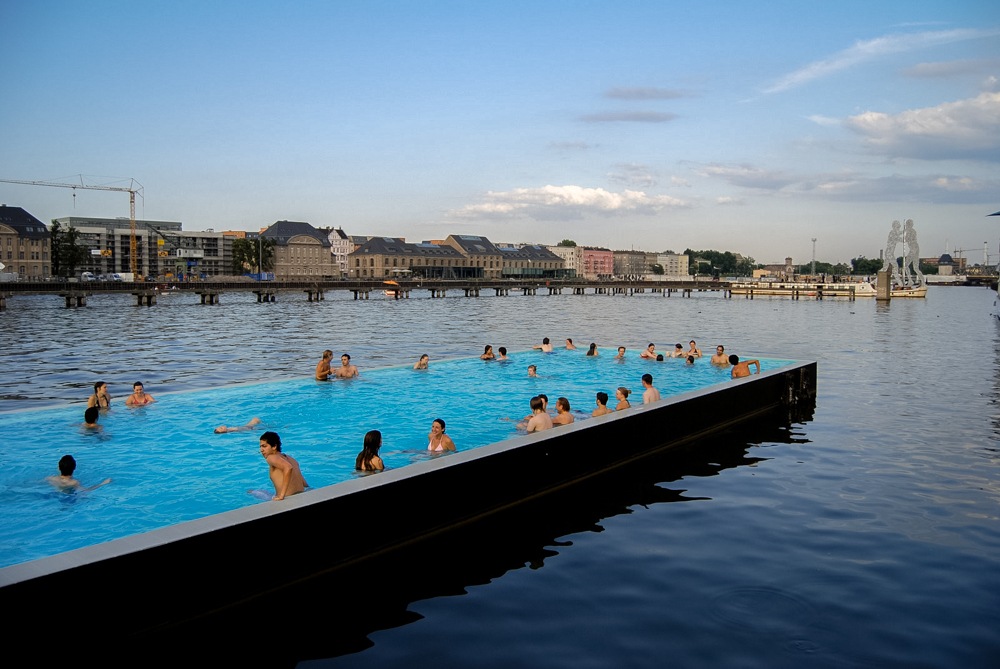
(725, 126)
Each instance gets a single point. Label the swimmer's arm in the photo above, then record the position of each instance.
(285, 469)
(95, 487)
(756, 362)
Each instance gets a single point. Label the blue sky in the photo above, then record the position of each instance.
(748, 127)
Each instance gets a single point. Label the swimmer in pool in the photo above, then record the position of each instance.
(503, 353)
(437, 440)
(423, 362)
(139, 396)
(544, 347)
(100, 398)
(346, 369)
(533, 371)
(563, 415)
(65, 481)
(741, 369)
(222, 429)
(602, 405)
(649, 353)
(621, 353)
(368, 459)
(323, 370)
(540, 419)
(282, 468)
(622, 395)
(650, 394)
(720, 357)
(488, 353)
(90, 416)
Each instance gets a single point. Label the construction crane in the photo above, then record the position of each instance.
(131, 190)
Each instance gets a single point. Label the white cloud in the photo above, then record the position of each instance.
(637, 176)
(963, 129)
(629, 117)
(746, 176)
(863, 52)
(926, 188)
(562, 202)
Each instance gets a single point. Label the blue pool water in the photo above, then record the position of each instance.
(168, 466)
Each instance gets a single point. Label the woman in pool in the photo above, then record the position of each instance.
(368, 459)
(593, 349)
(100, 398)
(622, 394)
(422, 363)
(437, 440)
(487, 353)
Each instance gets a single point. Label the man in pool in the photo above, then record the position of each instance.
(90, 416)
(570, 346)
(650, 352)
(540, 419)
(283, 468)
(741, 369)
(650, 394)
(503, 353)
(532, 370)
(323, 370)
(346, 369)
(222, 429)
(720, 357)
(621, 353)
(545, 346)
(65, 481)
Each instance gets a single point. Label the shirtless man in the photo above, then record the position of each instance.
(540, 419)
(139, 396)
(90, 416)
(563, 416)
(545, 346)
(720, 357)
(650, 394)
(602, 405)
(694, 350)
(621, 353)
(503, 353)
(532, 371)
(649, 353)
(323, 370)
(65, 481)
(283, 469)
(222, 429)
(346, 369)
(741, 369)
(570, 346)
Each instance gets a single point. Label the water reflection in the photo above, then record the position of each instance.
(334, 615)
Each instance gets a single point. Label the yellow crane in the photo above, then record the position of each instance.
(131, 190)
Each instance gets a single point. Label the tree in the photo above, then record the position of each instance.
(248, 254)
(67, 254)
(862, 265)
(656, 268)
(566, 242)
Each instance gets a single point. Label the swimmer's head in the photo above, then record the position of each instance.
(271, 439)
(67, 465)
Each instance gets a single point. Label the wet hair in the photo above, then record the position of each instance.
(344, 355)
(373, 442)
(137, 383)
(721, 346)
(562, 402)
(272, 439)
(67, 465)
(424, 356)
(440, 421)
(602, 398)
(624, 391)
(592, 346)
(327, 353)
(621, 348)
(545, 398)
(487, 349)
(692, 342)
(568, 340)
(91, 414)
(647, 378)
(733, 359)
(678, 346)
(545, 340)
(690, 359)
(651, 344)
(536, 403)
(659, 357)
(98, 385)
(503, 351)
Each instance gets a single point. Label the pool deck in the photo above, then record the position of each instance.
(146, 583)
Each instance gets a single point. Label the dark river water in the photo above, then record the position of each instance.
(864, 535)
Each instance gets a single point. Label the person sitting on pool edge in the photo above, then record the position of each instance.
(437, 440)
(282, 468)
(741, 369)
(222, 429)
(368, 459)
(65, 481)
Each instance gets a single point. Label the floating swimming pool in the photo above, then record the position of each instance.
(168, 466)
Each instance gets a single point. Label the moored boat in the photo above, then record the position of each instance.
(804, 289)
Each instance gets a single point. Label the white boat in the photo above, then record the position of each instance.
(804, 289)
(909, 291)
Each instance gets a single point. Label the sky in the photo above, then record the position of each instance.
(747, 127)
